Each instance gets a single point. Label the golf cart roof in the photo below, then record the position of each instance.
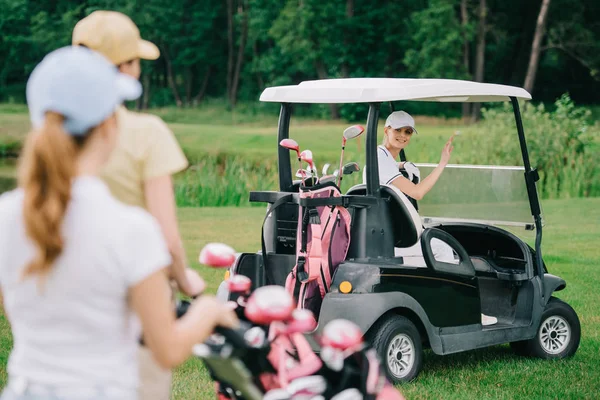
(374, 90)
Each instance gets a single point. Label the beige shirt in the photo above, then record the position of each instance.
(146, 149)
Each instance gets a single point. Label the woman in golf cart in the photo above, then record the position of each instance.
(398, 131)
(80, 272)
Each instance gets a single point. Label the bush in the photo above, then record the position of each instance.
(561, 144)
(225, 180)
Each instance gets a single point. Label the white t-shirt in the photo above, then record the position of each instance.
(79, 329)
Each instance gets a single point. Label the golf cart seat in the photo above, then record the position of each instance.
(405, 219)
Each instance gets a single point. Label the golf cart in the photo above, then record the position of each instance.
(403, 306)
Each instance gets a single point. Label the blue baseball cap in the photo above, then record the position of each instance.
(80, 84)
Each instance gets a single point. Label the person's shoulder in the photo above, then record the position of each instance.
(383, 151)
(11, 200)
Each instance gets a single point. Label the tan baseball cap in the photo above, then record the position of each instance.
(114, 35)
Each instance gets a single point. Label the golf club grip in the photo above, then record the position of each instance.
(233, 336)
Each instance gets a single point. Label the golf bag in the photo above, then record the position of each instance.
(322, 242)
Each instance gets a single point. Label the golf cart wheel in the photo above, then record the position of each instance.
(558, 334)
(398, 344)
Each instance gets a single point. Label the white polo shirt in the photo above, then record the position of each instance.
(79, 330)
(388, 166)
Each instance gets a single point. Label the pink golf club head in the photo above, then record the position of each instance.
(307, 156)
(217, 255)
(341, 334)
(239, 284)
(269, 304)
(389, 393)
(302, 321)
(290, 144)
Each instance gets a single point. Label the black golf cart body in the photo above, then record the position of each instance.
(498, 273)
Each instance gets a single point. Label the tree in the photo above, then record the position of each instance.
(437, 42)
(480, 56)
(464, 15)
(536, 47)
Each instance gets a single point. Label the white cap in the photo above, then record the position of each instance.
(400, 119)
(79, 84)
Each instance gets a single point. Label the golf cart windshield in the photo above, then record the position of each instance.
(494, 195)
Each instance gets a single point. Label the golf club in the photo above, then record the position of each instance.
(291, 144)
(306, 174)
(351, 132)
(302, 173)
(307, 157)
(325, 168)
(349, 168)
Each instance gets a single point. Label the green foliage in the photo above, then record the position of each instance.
(437, 40)
(562, 143)
(225, 180)
(289, 41)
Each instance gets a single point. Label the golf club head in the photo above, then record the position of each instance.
(268, 304)
(333, 358)
(328, 178)
(277, 394)
(341, 334)
(255, 336)
(302, 321)
(290, 144)
(336, 173)
(217, 255)
(325, 168)
(302, 173)
(307, 386)
(353, 131)
(239, 284)
(350, 167)
(307, 156)
(348, 394)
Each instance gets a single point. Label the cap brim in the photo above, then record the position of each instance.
(128, 88)
(148, 50)
(405, 126)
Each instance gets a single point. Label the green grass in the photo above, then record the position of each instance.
(233, 152)
(570, 249)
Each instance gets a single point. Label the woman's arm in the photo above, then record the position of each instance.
(171, 340)
(160, 201)
(419, 190)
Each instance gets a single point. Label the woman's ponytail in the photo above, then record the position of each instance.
(46, 173)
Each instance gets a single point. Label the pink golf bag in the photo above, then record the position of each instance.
(322, 242)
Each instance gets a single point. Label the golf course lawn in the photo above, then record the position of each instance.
(570, 248)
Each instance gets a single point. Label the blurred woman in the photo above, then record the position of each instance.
(81, 273)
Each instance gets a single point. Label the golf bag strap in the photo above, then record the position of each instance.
(323, 274)
(274, 206)
(315, 251)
